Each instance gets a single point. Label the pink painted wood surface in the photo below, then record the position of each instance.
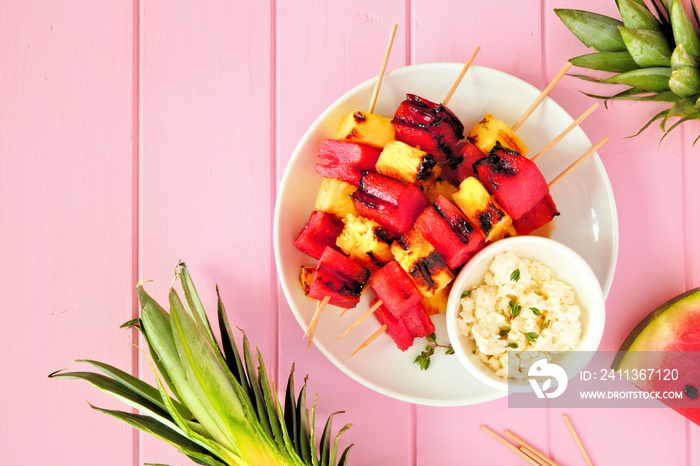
(136, 134)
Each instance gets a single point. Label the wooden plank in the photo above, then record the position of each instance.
(509, 37)
(66, 223)
(324, 50)
(206, 163)
(651, 255)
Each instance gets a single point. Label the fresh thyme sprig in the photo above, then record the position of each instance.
(423, 359)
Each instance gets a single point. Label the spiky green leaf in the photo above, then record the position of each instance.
(594, 30)
(685, 82)
(681, 58)
(230, 350)
(651, 79)
(648, 48)
(636, 15)
(150, 426)
(683, 30)
(616, 62)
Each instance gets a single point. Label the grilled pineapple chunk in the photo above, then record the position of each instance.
(422, 262)
(306, 277)
(489, 130)
(366, 128)
(436, 185)
(403, 162)
(361, 239)
(483, 210)
(437, 303)
(334, 197)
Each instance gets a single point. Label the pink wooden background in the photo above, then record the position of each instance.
(137, 133)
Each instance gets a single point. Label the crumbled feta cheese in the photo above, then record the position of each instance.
(527, 310)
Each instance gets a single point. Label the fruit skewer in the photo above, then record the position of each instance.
(311, 329)
(551, 184)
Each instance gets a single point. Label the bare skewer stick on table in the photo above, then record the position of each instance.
(541, 97)
(311, 329)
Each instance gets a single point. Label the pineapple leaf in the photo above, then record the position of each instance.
(681, 57)
(258, 401)
(314, 458)
(291, 417)
(179, 441)
(138, 386)
(344, 457)
(594, 30)
(685, 82)
(651, 79)
(157, 331)
(270, 403)
(193, 302)
(659, 115)
(635, 14)
(325, 445)
(616, 62)
(230, 350)
(304, 441)
(648, 48)
(334, 450)
(683, 30)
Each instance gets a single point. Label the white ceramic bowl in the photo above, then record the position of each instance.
(566, 265)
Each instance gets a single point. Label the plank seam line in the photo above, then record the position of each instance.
(274, 159)
(137, 104)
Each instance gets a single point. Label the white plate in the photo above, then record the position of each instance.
(587, 224)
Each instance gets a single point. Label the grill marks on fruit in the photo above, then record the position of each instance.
(340, 283)
(383, 234)
(424, 269)
(359, 117)
(489, 217)
(461, 227)
(425, 169)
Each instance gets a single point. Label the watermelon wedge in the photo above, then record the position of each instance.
(672, 328)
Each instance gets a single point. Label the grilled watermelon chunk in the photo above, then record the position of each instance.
(461, 166)
(394, 327)
(395, 288)
(417, 321)
(430, 126)
(394, 204)
(540, 215)
(447, 228)
(514, 180)
(346, 160)
(320, 232)
(340, 278)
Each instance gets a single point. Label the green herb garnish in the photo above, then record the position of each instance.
(514, 308)
(512, 344)
(546, 324)
(503, 332)
(536, 311)
(423, 359)
(515, 275)
(466, 293)
(532, 336)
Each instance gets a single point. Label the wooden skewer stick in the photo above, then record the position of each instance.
(372, 337)
(541, 97)
(533, 456)
(573, 125)
(510, 445)
(311, 329)
(369, 312)
(578, 162)
(578, 441)
(524, 444)
(461, 75)
(382, 69)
